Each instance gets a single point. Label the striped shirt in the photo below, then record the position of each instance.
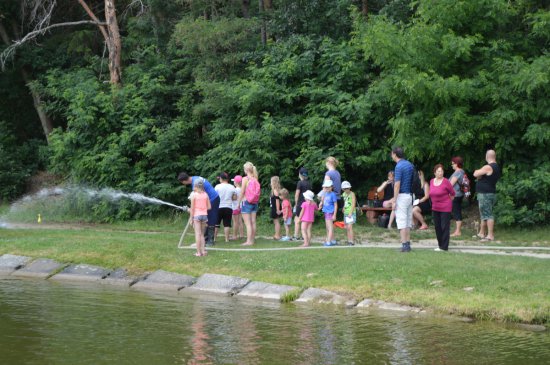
(404, 171)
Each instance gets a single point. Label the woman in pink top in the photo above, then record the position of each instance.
(441, 194)
(200, 205)
(307, 216)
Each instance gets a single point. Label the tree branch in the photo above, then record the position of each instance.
(95, 18)
(9, 50)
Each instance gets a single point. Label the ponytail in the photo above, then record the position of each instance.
(249, 166)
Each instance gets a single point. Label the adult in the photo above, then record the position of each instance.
(441, 194)
(227, 194)
(423, 205)
(487, 178)
(249, 209)
(185, 179)
(402, 196)
(387, 187)
(456, 179)
(302, 186)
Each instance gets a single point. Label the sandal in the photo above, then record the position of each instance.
(478, 236)
(486, 239)
(423, 228)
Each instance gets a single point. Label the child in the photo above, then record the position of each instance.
(275, 205)
(307, 217)
(301, 187)
(238, 227)
(200, 205)
(350, 216)
(287, 213)
(329, 206)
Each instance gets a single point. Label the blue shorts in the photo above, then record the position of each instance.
(200, 218)
(248, 208)
(288, 221)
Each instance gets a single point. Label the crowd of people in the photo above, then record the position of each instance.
(408, 196)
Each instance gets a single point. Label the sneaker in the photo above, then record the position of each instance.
(406, 247)
(351, 244)
(438, 249)
(293, 238)
(334, 243)
(327, 244)
(285, 239)
(209, 244)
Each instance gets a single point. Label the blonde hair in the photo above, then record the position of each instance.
(249, 167)
(199, 184)
(275, 184)
(332, 161)
(284, 194)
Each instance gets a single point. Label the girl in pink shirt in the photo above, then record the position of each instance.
(441, 194)
(307, 217)
(200, 205)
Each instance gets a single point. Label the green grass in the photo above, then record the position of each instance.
(513, 289)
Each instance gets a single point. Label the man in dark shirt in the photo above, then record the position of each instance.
(402, 197)
(487, 178)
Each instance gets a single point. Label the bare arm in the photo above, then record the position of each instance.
(243, 189)
(426, 192)
(296, 197)
(353, 202)
(485, 170)
(301, 215)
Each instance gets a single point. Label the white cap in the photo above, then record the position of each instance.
(309, 195)
(327, 183)
(346, 185)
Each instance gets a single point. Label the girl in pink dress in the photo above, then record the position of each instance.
(307, 217)
(200, 205)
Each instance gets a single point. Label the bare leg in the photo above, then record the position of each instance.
(305, 235)
(277, 224)
(199, 236)
(296, 227)
(417, 214)
(204, 228)
(287, 230)
(248, 224)
(253, 226)
(482, 228)
(349, 229)
(392, 218)
(457, 231)
(405, 234)
(226, 233)
(490, 229)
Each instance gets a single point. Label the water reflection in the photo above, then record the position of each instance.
(44, 322)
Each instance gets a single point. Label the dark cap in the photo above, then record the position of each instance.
(223, 176)
(303, 171)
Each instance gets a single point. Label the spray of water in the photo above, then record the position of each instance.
(110, 194)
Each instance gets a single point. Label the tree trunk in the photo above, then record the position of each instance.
(264, 25)
(245, 6)
(113, 43)
(45, 121)
(111, 34)
(364, 8)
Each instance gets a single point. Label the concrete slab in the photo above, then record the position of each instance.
(220, 284)
(164, 280)
(40, 269)
(379, 304)
(314, 295)
(81, 272)
(10, 263)
(120, 277)
(258, 289)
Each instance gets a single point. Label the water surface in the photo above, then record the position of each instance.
(44, 322)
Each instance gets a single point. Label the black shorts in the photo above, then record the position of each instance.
(298, 209)
(457, 208)
(225, 215)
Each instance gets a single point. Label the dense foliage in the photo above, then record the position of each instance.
(202, 93)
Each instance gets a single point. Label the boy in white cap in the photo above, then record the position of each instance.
(350, 216)
(329, 206)
(307, 217)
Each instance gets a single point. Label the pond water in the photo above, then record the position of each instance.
(44, 322)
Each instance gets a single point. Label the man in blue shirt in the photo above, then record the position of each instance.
(402, 197)
(214, 197)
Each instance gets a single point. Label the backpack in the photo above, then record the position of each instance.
(465, 185)
(417, 188)
(252, 192)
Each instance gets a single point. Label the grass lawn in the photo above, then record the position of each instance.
(505, 288)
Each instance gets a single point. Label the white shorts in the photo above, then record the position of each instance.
(403, 211)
